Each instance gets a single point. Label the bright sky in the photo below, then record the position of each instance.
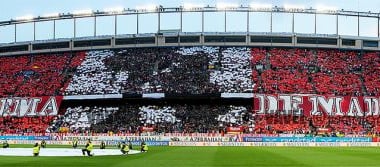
(214, 22)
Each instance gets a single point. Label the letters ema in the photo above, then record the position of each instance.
(36, 106)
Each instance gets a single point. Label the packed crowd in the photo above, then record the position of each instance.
(37, 75)
(80, 119)
(315, 71)
(190, 118)
(188, 70)
(93, 77)
(231, 70)
(132, 118)
(310, 71)
(370, 66)
(287, 73)
(338, 73)
(193, 70)
(275, 123)
(19, 125)
(165, 70)
(9, 81)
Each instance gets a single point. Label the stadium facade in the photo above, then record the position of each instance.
(178, 37)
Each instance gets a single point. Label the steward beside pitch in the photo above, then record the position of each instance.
(144, 147)
(88, 148)
(130, 145)
(36, 150)
(124, 148)
(5, 144)
(102, 145)
(75, 143)
(43, 144)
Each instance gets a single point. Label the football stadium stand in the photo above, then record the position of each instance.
(187, 71)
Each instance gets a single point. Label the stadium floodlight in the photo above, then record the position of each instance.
(149, 7)
(259, 6)
(190, 6)
(50, 15)
(114, 10)
(288, 7)
(224, 6)
(322, 8)
(26, 17)
(83, 12)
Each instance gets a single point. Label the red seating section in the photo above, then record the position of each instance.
(40, 75)
(335, 72)
(24, 124)
(283, 81)
(290, 58)
(371, 72)
(34, 76)
(9, 81)
(258, 55)
(269, 124)
(315, 71)
(287, 68)
(48, 78)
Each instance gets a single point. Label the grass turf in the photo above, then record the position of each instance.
(213, 156)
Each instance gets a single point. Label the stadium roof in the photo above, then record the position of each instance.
(188, 8)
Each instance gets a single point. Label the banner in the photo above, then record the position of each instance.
(120, 138)
(316, 139)
(309, 105)
(42, 137)
(88, 97)
(29, 107)
(278, 144)
(252, 139)
(25, 138)
(235, 138)
(147, 129)
(222, 144)
(16, 138)
(236, 95)
(235, 129)
(153, 95)
(152, 143)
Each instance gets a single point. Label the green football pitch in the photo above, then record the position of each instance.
(213, 156)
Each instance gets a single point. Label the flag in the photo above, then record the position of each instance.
(35, 67)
